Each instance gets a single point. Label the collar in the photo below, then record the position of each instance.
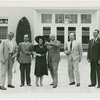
(95, 39)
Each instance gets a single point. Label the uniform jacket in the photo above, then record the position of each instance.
(24, 52)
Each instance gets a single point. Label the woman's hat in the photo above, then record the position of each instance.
(39, 37)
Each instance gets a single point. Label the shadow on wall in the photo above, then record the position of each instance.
(23, 28)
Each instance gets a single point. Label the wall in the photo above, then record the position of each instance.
(14, 14)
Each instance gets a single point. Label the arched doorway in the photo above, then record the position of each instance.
(23, 28)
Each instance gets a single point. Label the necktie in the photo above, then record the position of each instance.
(71, 46)
(94, 40)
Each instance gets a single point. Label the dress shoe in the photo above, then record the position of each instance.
(37, 84)
(55, 86)
(29, 85)
(91, 85)
(72, 83)
(98, 86)
(21, 85)
(2, 88)
(78, 84)
(41, 84)
(11, 86)
(51, 84)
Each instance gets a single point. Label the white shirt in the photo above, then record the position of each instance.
(95, 39)
(10, 44)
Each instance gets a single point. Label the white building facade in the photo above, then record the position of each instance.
(59, 20)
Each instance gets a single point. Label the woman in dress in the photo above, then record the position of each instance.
(40, 51)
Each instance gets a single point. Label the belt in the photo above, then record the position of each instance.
(11, 54)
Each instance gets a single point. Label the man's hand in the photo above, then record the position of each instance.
(99, 62)
(38, 55)
(88, 60)
(3, 61)
(79, 59)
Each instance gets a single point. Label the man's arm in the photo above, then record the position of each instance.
(16, 51)
(55, 43)
(66, 51)
(88, 53)
(2, 59)
(80, 51)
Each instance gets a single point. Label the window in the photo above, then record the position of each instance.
(72, 18)
(85, 18)
(71, 30)
(59, 18)
(46, 18)
(3, 21)
(85, 37)
(46, 32)
(3, 32)
(60, 36)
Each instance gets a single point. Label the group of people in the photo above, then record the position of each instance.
(47, 56)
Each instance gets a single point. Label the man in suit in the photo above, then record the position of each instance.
(53, 58)
(93, 57)
(24, 58)
(73, 50)
(7, 55)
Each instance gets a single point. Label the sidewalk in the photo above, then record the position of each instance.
(46, 91)
(62, 54)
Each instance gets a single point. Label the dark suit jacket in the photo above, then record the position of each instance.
(94, 50)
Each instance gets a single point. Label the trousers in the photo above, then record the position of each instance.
(53, 67)
(25, 69)
(73, 71)
(6, 69)
(95, 73)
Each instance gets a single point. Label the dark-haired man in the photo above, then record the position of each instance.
(94, 59)
(24, 58)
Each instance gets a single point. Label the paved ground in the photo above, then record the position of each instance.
(62, 91)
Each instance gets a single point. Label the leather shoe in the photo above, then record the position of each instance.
(78, 84)
(51, 84)
(41, 84)
(98, 86)
(91, 85)
(21, 85)
(54, 86)
(72, 83)
(29, 85)
(37, 84)
(11, 86)
(2, 88)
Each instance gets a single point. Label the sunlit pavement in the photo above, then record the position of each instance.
(63, 90)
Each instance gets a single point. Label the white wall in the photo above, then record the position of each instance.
(50, 3)
(14, 14)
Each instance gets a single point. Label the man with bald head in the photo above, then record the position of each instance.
(7, 55)
(53, 58)
(73, 49)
